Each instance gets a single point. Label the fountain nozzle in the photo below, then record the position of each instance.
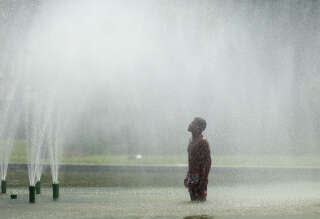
(55, 190)
(32, 194)
(3, 186)
(38, 187)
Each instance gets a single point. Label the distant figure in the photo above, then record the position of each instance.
(199, 161)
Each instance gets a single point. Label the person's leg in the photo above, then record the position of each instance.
(196, 194)
(202, 198)
(202, 195)
(202, 191)
(193, 195)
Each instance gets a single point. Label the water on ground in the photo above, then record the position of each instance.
(283, 200)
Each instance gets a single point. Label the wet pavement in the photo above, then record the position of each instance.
(282, 200)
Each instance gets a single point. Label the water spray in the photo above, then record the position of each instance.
(3, 186)
(55, 190)
(38, 187)
(32, 194)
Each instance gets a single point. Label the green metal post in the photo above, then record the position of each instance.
(3, 186)
(38, 187)
(55, 190)
(32, 194)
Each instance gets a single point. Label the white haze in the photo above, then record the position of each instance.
(135, 73)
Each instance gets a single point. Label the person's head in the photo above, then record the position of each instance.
(197, 126)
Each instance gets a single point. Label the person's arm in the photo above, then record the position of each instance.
(186, 179)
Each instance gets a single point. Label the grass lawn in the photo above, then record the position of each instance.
(19, 156)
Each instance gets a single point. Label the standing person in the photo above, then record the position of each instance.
(199, 161)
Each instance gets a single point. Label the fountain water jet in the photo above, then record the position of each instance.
(37, 114)
(54, 146)
(8, 126)
(43, 157)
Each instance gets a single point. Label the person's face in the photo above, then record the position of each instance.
(192, 126)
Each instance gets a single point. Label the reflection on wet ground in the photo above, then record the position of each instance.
(254, 217)
(199, 217)
(298, 199)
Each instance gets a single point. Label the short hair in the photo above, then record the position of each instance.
(201, 123)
